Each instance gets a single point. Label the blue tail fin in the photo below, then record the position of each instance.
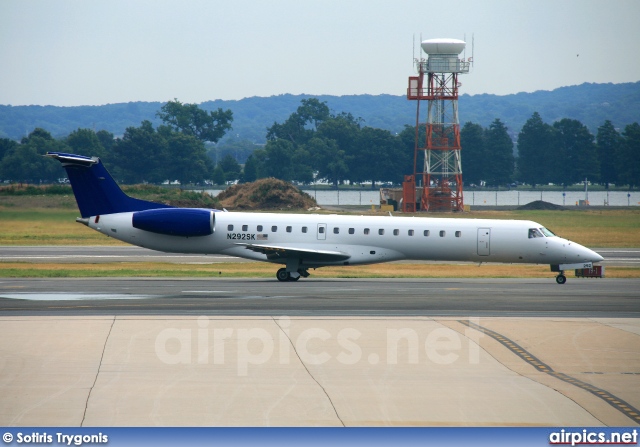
(95, 190)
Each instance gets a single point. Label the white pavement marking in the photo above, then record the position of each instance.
(116, 256)
(67, 296)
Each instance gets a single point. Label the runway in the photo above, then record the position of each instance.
(614, 298)
(619, 257)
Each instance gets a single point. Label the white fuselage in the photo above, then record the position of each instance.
(364, 239)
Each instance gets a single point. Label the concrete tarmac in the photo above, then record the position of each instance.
(319, 352)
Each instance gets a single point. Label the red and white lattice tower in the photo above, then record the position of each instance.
(441, 173)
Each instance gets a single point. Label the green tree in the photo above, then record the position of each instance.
(328, 159)
(85, 142)
(577, 154)
(25, 163)
(192, 120)
(473, 153)
(256, 166)
(301, 162)
(278, 161)
(250, 171)
(609, 142)
(408, 141)
(38, 134)
(6, 145)
(537, 152)
(379, 156)
(313, 111)
(188, 158)
(499, 150)
(218, 175)
(141, 155)
(240, 149)
(343, 128)
(630, 157)
(106, 141)
(335, 159)
(302, 124)
(231, 168)
(22, 164)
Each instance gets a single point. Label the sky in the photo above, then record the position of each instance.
(80, 52)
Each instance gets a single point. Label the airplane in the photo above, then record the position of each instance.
(301, 242)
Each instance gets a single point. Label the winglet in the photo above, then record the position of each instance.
(95, 190)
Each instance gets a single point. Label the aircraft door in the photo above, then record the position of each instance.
(322, 232)
(484, 241)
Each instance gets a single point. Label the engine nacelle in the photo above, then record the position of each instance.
(185, 222)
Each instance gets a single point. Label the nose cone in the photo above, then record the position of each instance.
(586, 254)
(595, 257)
(570, 252)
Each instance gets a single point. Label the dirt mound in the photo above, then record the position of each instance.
(265, 194)
(540, 205)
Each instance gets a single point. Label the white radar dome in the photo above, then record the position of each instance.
(443, 46)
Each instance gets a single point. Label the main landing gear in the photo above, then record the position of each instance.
(561, 279)
(283, 275)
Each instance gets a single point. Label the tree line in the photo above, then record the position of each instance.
(315, 144)
(562, 153)
(174, 150)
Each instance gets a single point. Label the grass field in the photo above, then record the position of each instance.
(55, 225)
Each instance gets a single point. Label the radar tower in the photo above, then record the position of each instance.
(441, 172)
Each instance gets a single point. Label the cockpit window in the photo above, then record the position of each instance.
(547, 232)
(534, 232)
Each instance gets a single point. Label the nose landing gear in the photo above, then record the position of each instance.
(561, 268)
(561, 279)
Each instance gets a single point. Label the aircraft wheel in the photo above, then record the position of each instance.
(283, 275)
(561, 279)
(291, 278)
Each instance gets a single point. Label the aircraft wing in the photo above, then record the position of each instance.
(274, 252)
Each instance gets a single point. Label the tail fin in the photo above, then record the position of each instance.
(95, 190)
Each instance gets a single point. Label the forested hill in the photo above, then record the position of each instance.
(590, 104)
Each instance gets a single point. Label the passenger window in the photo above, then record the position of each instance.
(245, 228)
(289, 229)
(352, 230)
(320, 230)
(304, 229)
(396, 232)
(410, 232)
(458, 233)
(443, 233)
(259, 228)
(230, 227)
(336, 230)
(366, 231)
(426, 233)
(381, 231)
(274, 228)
